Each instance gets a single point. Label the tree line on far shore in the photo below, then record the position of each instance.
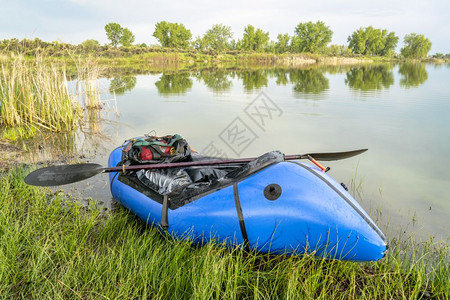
(308, 37)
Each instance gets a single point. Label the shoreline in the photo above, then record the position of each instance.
(158, 56)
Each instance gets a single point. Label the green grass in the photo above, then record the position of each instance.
(50, 247)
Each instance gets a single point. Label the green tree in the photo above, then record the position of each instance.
(390, 43)
(127, 38)
(338, 50)
(113, 32)
(311, 37)
(172, 35)
(416, 46)
(119, 35)
(90, 45)
(218, 38)
(359, 41)
(270, 47)
(282, 43)
(199, 43)
(253, 40)
(372, 41)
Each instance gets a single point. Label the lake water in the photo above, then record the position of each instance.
(401, 113)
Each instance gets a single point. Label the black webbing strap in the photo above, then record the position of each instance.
(240, 216)
(164, 213)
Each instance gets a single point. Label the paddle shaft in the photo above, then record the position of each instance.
(320, 156)
(65, 174)
(187, 164)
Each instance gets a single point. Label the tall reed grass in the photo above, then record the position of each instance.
(50, 247)
(87, 87)
(34, 95)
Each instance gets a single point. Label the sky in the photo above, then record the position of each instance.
(74, 21)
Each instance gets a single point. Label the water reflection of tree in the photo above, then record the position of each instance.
(216, 79)
(176, 83)
(413, 75)
(311, 81)
(254, 79)
(281, 76)
(370, 78)
(120, 85)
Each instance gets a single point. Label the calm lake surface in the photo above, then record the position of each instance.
(401, 113)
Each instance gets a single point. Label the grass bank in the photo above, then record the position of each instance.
(50, 247)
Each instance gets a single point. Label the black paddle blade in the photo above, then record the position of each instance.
(334, 155)
(327, 156)
(65, 174)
